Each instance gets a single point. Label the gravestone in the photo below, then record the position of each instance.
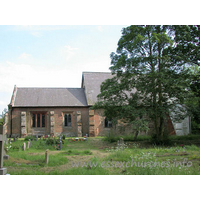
(86, 136)
(33, 141)
(24, 146)
(2, 139)
(14, 139)
(36, 137)
(6, 157)
(60, 146)
(121, 143)
(9, 141)
(28, 144)
(47, 156)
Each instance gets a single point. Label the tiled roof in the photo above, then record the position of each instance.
(37, 97)
(91, 82)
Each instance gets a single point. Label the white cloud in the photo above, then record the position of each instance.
(36, 34)
(3, 103)
(68, 52)
(99, 28)
(24, 56)
(36, 28)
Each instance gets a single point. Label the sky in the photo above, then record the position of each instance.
(50, 55)
(53, 56)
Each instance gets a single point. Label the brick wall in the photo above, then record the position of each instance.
(59, 127)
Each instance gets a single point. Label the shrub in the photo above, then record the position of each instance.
(29, 137)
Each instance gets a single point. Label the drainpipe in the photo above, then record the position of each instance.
(10, 111)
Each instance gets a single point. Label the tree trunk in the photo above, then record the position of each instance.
(136, 134)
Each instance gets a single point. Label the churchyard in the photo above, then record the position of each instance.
(98, 156)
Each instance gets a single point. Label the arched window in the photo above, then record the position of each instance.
(68, 120)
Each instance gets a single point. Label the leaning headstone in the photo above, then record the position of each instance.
(24, 146)
(47, 156)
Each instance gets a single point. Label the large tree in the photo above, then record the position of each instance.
(147, 80)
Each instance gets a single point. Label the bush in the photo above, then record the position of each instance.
(29, 137)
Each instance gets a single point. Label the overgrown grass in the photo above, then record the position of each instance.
(114, 138)
(97, 157)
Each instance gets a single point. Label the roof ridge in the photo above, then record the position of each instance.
(48, 88)
(98, 72)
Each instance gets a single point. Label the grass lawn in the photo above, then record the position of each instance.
(99, 157)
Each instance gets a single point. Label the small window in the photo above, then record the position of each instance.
(68, 120)
(108, 124)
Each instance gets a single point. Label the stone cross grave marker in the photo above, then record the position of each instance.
(2, 139)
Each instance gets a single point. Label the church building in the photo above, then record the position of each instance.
(55, 111)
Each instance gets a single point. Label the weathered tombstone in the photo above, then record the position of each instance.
(24, 146)
(47, 156)
(28, 144)
(2, 139)
(36, 137)
(86, 136)
(117, 143)
(33, 141)
(60, 146)
(6, 157)
(14, 139)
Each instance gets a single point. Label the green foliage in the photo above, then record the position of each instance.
(63, 137)
(29, 137)
(149, 75)
(112, 137)
(1, 121)
(193, 102)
